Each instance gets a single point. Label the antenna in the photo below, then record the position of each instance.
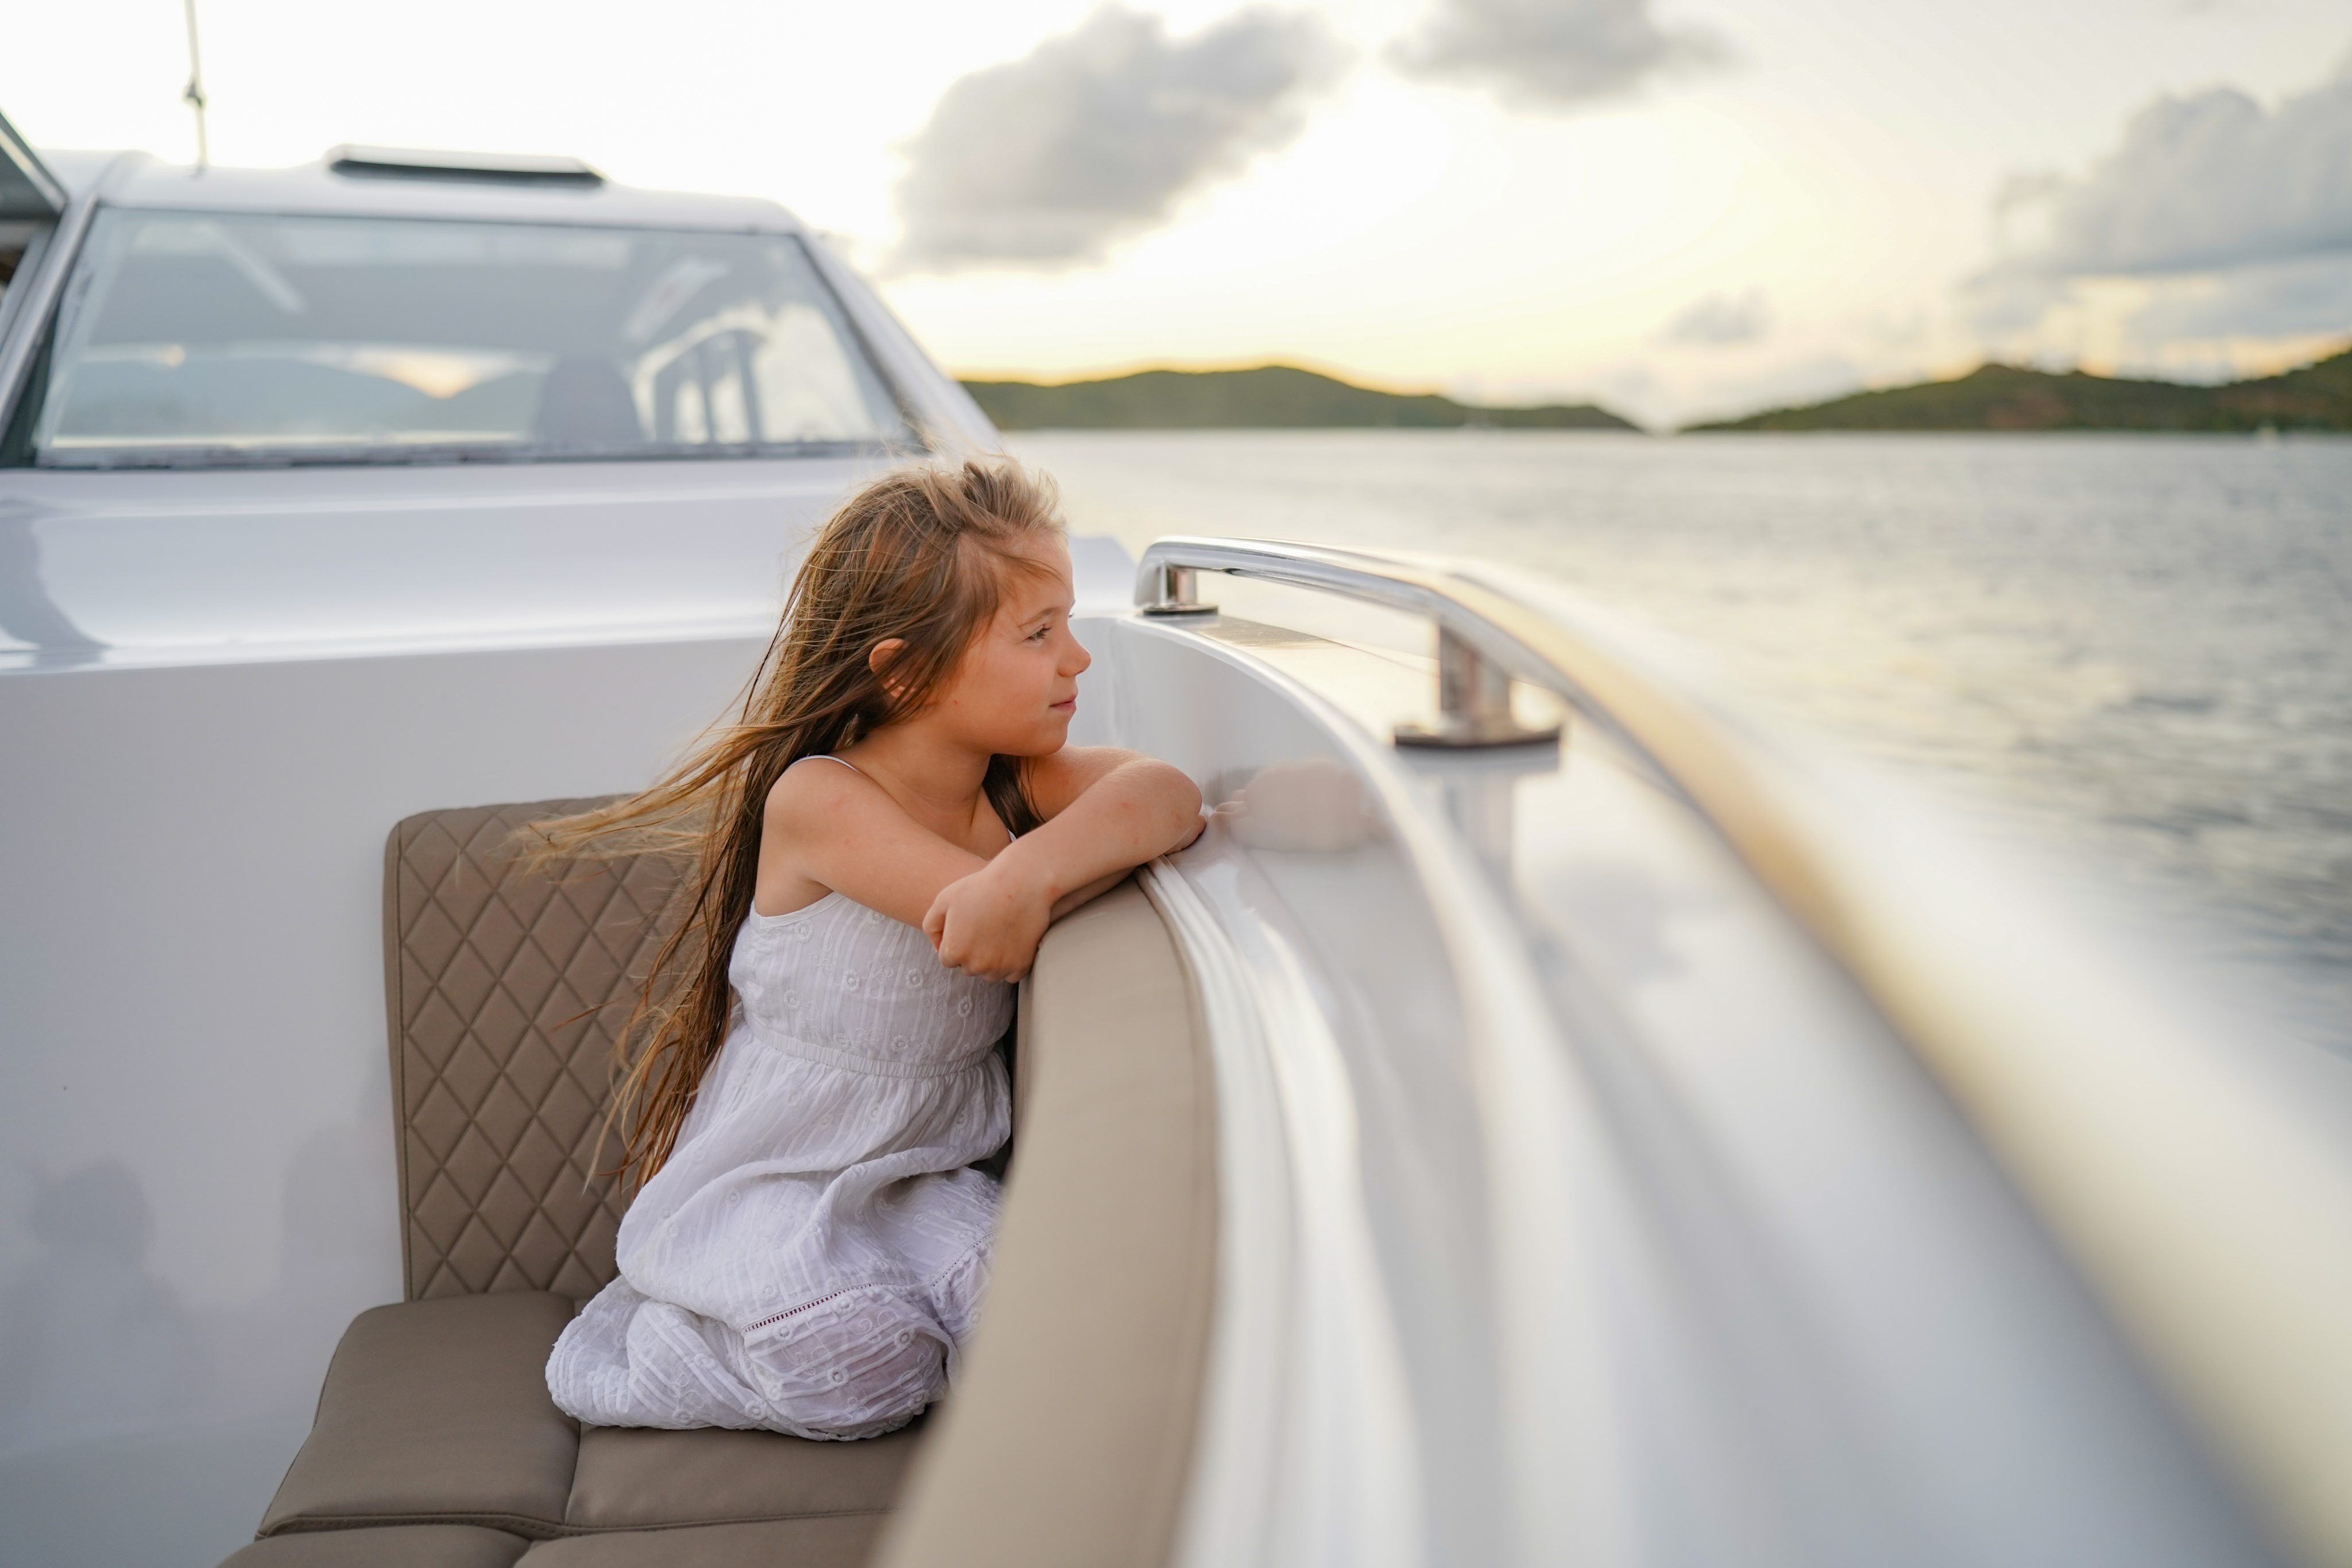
(194, 96)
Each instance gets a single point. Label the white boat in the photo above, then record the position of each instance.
(1543, 1121)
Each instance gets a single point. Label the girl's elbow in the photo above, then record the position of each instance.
(1153, 786)
(1183, 795)
(1186, 821)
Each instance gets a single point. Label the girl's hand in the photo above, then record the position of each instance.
(989, 924)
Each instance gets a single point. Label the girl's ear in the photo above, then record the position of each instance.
(881, 656)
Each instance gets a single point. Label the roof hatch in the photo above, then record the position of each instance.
(496, 168)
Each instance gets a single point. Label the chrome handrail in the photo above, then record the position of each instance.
(2217, 1227)
(1475, 657)
(1685, 752)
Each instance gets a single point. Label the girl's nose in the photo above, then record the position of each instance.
(1076, 660)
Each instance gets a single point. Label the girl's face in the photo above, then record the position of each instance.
(1016, 689)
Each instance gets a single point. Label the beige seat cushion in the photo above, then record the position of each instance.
(402, 1546)
(438, 1410)
(635, 1479)
(1069, 1438)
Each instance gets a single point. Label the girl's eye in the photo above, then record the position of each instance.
(1039, 635)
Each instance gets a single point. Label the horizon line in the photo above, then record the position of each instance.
(1217, 367)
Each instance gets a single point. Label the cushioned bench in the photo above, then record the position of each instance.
(435, 1445)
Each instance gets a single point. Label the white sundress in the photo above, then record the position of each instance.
(814, 1253)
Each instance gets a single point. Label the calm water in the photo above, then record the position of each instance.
(2140, 646)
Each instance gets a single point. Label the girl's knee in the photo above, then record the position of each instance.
(854, 1365)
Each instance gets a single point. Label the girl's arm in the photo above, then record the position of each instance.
(1106, 811)
(829, 830)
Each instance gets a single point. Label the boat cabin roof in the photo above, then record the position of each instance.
(364, 182)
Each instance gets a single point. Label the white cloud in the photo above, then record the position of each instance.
(2233, 222)
(2211, 182)
(1096, 134)
(1721, 320)
(1552, 54)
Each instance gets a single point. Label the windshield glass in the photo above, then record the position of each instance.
(197, 340)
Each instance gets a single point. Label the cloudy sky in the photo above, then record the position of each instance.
(1682, 207)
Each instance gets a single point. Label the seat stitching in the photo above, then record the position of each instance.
(525, 1525)
(538, 1529)
(571, 1530)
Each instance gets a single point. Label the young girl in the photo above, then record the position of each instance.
(883, 840)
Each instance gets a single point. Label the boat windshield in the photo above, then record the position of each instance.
(208, 340)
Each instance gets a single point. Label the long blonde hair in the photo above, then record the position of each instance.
(917, 556)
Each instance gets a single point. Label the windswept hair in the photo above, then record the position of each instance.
(919, 555)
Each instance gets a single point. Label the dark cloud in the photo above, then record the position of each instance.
(1096, 134)
(1552, 54)
(2243, 214)
(1721, 320)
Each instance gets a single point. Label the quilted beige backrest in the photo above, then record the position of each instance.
(504, 992)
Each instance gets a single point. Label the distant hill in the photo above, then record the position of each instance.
(1271, 397)
(2003, 397)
